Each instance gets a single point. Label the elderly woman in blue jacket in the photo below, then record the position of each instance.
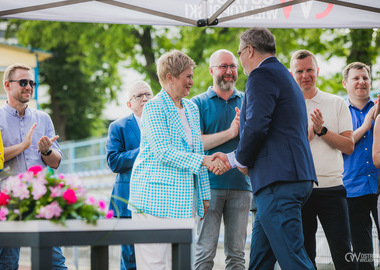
(170, 170)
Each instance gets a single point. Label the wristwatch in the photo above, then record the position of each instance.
(47, 153)
(323, 132)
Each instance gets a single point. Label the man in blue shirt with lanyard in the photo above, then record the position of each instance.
(360, 175)
(231, 192)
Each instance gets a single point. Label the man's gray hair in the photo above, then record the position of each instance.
(137, 85)
(259, 38)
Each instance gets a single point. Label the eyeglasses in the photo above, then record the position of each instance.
(239, 52)
(140, 96)
(24, 82)
(224, 67)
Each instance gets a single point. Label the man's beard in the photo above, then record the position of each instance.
(20, 99)
(226, 86)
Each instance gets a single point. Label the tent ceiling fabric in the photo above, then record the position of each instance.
(223, 13)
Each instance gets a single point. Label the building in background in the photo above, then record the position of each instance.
(10, 54)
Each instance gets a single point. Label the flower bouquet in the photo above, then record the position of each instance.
(37, 195)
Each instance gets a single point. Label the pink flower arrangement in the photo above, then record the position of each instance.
(110, 214)
(69, 196)
(4, 199)
(37, 195)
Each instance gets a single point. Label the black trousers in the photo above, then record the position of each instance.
(360, 210)
(330, 205)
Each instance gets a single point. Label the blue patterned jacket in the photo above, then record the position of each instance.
(166, 172)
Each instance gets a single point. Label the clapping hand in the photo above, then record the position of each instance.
(45, 143)
(234, 127)
(28, 137)
(317, 119)
(377, 107)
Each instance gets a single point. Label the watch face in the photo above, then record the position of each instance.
(323, 131)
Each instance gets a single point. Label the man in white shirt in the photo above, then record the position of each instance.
(330, 135)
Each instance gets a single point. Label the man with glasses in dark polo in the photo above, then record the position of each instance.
(29, 139)
(231, 192)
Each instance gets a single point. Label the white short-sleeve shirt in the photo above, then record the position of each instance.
(328, 161)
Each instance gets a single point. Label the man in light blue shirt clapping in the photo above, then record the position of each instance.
(29, 139)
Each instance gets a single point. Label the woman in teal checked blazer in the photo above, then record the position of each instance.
(170, 170)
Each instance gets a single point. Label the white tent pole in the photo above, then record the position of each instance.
(185, 12)
(40, 7)
(220, 10)
(109, 2)
(149, 11)
(294, 2)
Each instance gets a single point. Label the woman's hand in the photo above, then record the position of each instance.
(215, 165)
(206, 205)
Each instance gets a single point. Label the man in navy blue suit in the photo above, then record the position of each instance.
(123, 146)
(274, 151)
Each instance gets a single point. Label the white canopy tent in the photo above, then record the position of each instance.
(221, 13)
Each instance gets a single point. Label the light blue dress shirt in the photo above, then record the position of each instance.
(14, 129)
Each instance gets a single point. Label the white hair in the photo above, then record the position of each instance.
(137, 85)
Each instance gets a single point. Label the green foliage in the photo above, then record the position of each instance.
(200, 43)
(361, 38)
(83, 73)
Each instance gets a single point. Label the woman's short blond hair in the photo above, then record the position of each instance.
(174, 62)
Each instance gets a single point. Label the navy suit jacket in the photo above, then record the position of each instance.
(273, 128)
(123, 146)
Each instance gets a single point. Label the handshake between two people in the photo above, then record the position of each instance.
(218, 164)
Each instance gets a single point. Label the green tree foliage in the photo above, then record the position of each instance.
(200, 43)
(328, 44)
(360, 39)
(82, 75)
(149, 44)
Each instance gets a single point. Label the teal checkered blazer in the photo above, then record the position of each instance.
(166, 172)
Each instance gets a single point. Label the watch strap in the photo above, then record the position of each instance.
(47, 153)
